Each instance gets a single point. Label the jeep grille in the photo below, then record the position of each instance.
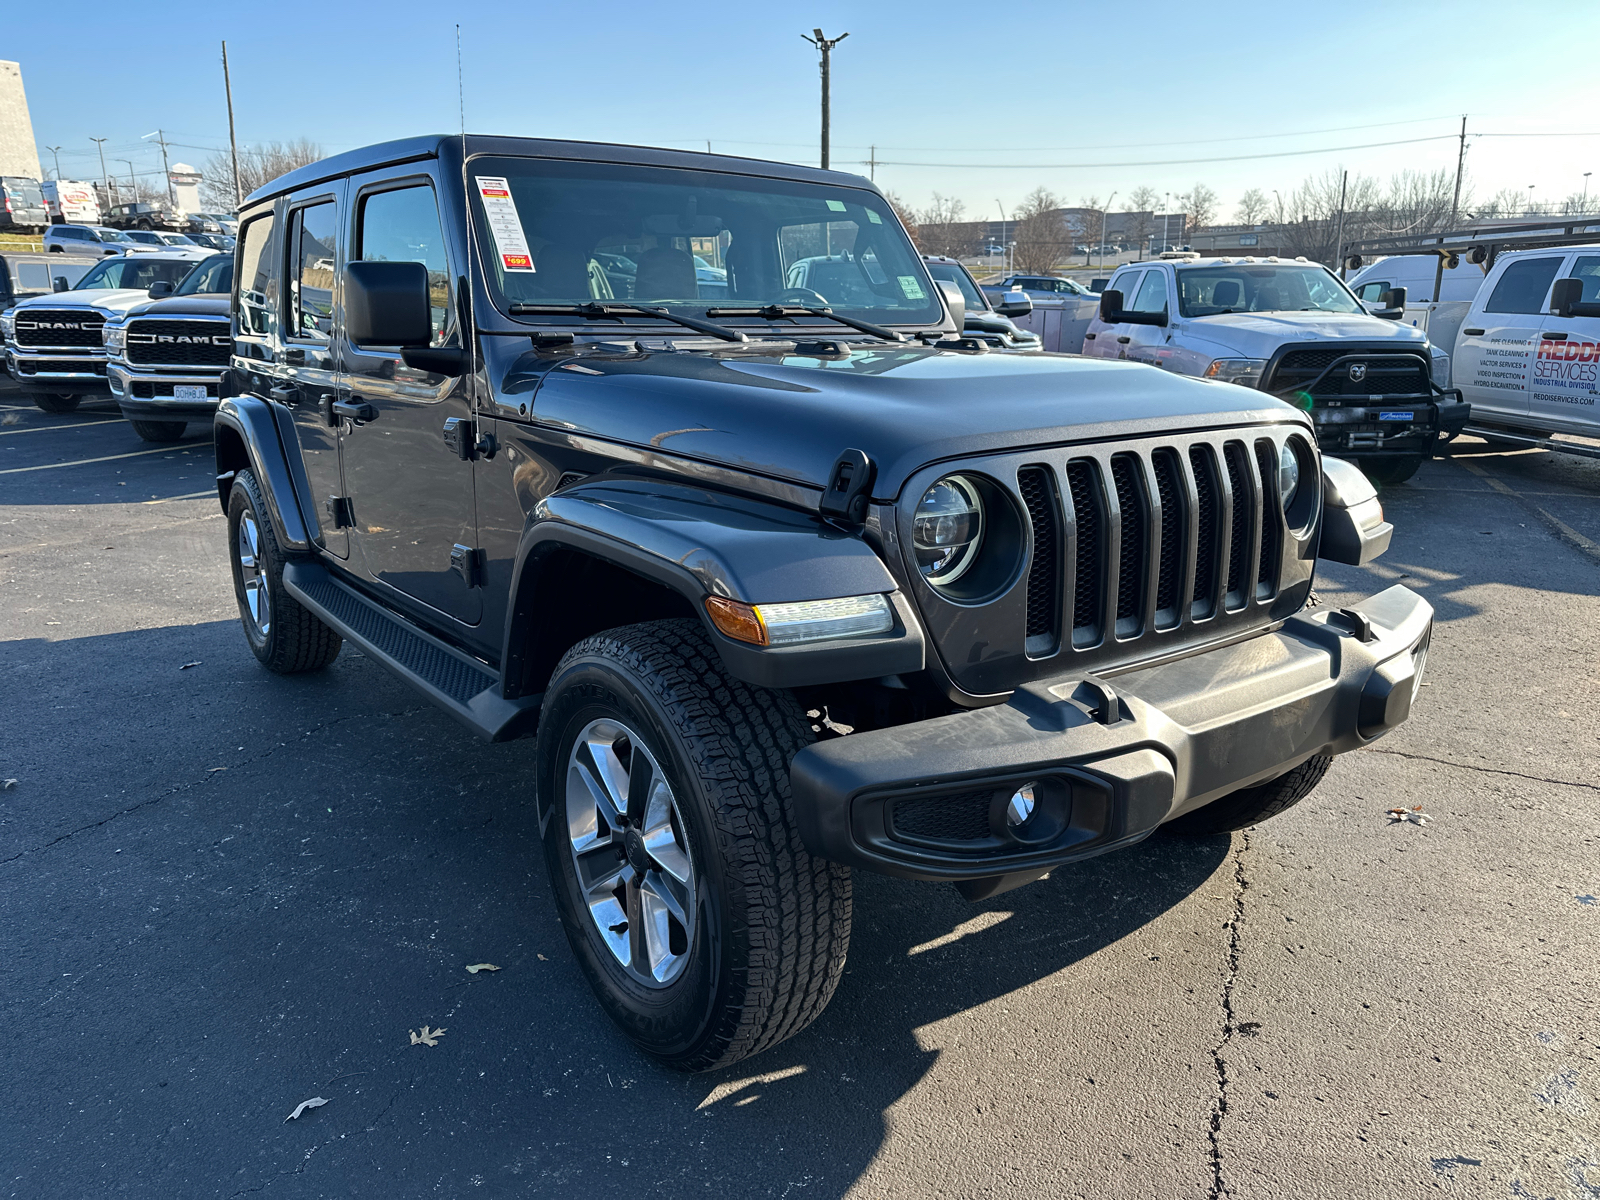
(55, 329)
(199, 343)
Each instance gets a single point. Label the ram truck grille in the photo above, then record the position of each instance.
(56, 329)
(168, 343)
(1368, 373)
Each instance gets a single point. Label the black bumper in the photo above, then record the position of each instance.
(1376, 428)
(167, 409)
(1110, 760)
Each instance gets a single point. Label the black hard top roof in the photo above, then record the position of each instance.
(412, 149)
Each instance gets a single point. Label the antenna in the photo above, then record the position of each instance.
(468, 332)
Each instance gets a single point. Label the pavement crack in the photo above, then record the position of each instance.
(1230, 1023)
(1448, 762)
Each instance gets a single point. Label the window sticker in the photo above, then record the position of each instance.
(874, 217)
(505, 227)
(837, 205)
(910, 288)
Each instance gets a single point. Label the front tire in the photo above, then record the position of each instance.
(285, 635)
(159, 431)
(56, 402)
(706, 929)
(1252, 805)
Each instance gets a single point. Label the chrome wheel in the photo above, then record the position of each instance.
(252, 576)
(630, 852)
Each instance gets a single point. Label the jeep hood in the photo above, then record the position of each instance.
(1258, 335)
(789, 417)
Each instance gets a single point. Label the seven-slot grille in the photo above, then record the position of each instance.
(1150, 540)
(199, 343)
(1380, 374)
(58, 328)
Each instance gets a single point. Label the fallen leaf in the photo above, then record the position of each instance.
(1414, 815)
(11, 783)
(314, 1102)
(10, 419)
(214, 770)
(476, 967)
(426, 1037)
(542, 958)
(187, 665)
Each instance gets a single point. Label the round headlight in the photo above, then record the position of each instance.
(1288, 474)
(947, 529)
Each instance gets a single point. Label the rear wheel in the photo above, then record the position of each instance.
(705, 928)
(1390, 470)
(158, 431)
(56, 402)
(285, 635)
(1252, 805)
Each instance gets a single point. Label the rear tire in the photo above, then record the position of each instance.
(753, 944)
(1383, 471)
(1252, 805)
(158, 431)
(56, 402)
(285, 635)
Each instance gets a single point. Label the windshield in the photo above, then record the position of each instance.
(212, 275)
(177, 239)
(1247, 287)
(111, 235)
(951, 273)
(146, 236)
(134, 271)
(573, 233)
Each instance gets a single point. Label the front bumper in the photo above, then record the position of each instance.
(1397, 425)
(1110, 760)
(53, 371)
(147, 395)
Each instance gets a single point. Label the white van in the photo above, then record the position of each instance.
(1416, 273)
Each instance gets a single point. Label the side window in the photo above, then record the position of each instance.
(1152, 293)
(1587, 268)
(1371, 291)
(257, 287)
(313, 234)
(403, 226)
(1524, 286)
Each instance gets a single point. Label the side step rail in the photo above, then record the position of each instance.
(1538, 443)
(455, 681)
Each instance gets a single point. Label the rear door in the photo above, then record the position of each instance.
(410, 492)
(1499, 340)
(1566, 367)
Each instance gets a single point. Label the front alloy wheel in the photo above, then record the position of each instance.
(629, 852)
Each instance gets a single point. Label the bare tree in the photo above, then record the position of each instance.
(1142, 203)
(258, 165)
(1085, 224)
(907, 218)
(1200, 202)
(1040, 233)
(942, 229)
(1252, 207)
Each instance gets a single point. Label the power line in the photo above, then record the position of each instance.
(1169, 162)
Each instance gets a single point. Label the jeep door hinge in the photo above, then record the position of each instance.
(469, 564)
(461, 435)
(341, 513)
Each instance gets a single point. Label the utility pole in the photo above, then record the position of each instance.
(165, 169)
(104, 174)
(825, 46)
(54, 153)
(1461, 160)
(872, 165)
(233, 141)
(1338, 237)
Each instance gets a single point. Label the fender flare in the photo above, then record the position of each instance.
(700, 543)
(261, 430)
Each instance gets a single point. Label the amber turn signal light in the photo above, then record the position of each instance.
(737, 620)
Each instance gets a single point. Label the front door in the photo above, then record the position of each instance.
(1566, 369)
(1496, 352)
(411, 493)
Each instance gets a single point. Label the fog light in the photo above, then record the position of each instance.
(1020, 807)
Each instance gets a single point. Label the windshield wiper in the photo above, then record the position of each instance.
(596, 309)
(776, 312)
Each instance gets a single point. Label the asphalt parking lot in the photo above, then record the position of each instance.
(223, 893)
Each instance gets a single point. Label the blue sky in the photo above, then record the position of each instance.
(1057, 87)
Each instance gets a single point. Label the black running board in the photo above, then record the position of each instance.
(458, 683)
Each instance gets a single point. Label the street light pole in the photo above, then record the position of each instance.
(1530, 199)
(1103, 212)
(1586, 175)
(1004, 264)
(104, 174)
(133, 185)
(54, 153)
(825, 45)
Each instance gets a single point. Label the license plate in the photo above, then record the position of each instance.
(1394, 416)
(188, 391)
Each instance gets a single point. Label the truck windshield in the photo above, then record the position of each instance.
(951, 273)
(211, 275)
(572, 233)
(135, 271)
(1247, 287)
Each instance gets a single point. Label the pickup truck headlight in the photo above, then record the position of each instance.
(1441, 368)
(1244, 371)
(114, 336)
(947, 529)
(8, 326)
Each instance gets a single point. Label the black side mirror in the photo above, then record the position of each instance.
(60, 284)
(1566, 300)
(1394, 304)
(160, 288)
(1111, 306)
(1014, 304)
(386, 304)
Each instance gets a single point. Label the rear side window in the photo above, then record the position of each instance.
(33, 275)
(1124, 284)
(1152, 293)
(1587, 268)
(257, 287)
(313, 236)
(1524, 286)
(403, 226)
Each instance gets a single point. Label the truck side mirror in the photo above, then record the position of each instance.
(160, 288)
(1392, 303)
(955, 302)
(386, 304)
(1353, 529)
(60, 284)
(1111, 306)
(1014, 304)
(1566, 300)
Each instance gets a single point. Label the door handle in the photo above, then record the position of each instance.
(1473, 332)
(1122, 341)
(1554, 337)
(357, 410)
(295, 358)
(284, 395)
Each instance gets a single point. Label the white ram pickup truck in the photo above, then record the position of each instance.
(1378, 392)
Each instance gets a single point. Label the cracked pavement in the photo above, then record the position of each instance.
(223, 893)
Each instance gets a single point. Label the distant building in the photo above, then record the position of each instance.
(1121, 228)
(1259, 241)
(18, 153)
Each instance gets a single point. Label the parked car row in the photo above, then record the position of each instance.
(106, 240)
